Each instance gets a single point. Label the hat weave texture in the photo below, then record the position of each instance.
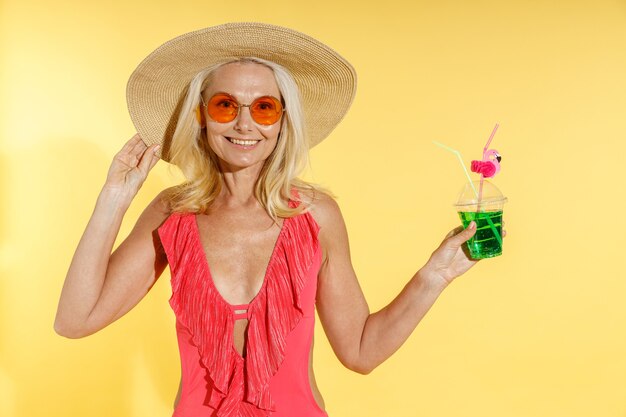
(156, 89)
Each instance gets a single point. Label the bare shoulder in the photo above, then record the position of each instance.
(333, 235)
(157, 211)
(323, 208)
(161, 203)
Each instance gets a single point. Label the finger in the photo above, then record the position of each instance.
(133, 156)
(148, 159)
(452, 232)
(464, 235)
(155, 157)
(138, 149)
(129, 153)
(130, 144)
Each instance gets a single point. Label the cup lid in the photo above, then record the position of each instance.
(490, 194)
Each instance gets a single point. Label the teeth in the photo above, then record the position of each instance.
(243, 142)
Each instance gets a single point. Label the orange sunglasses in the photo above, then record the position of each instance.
(224, 108)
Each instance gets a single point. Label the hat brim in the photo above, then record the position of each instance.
(155, 90)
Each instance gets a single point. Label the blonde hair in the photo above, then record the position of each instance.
(190, 151)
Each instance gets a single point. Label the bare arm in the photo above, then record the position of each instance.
(360, 339)
(100, 287)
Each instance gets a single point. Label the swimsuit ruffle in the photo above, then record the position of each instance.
(240, 387)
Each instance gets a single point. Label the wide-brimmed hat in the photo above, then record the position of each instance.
(156, 89)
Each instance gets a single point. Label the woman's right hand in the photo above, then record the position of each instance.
(130, 167)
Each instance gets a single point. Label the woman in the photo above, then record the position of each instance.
(252, 250)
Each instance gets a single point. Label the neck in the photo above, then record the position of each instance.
(238, 187)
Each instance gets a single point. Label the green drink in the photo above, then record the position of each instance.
(486, 211)
(484, 243)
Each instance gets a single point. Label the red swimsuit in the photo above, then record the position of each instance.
(272, 378)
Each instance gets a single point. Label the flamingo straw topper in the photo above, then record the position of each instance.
(490, 165)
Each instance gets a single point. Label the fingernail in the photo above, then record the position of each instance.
(156, 148)
(472, 224)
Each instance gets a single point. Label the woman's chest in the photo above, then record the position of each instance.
(238, 251)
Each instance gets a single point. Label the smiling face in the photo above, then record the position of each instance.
(245, 81)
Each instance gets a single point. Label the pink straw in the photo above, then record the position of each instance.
(480, 191)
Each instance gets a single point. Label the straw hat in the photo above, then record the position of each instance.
(156, 89)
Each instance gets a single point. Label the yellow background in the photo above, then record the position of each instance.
(536, 332)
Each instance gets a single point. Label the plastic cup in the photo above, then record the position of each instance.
(488, 215)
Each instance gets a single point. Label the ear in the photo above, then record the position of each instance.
(200, 117)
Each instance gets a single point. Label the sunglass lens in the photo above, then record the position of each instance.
(266, 110)
(222, 108)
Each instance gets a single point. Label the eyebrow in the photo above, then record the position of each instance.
(280, 98)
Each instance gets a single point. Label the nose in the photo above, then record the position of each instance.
(244, 122)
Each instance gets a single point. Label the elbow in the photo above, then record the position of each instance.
(362, 370)
(68, 331)
(360, 366)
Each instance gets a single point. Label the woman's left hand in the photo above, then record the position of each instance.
(452, 258)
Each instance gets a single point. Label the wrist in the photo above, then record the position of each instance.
(431, 280)
(114, 198)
